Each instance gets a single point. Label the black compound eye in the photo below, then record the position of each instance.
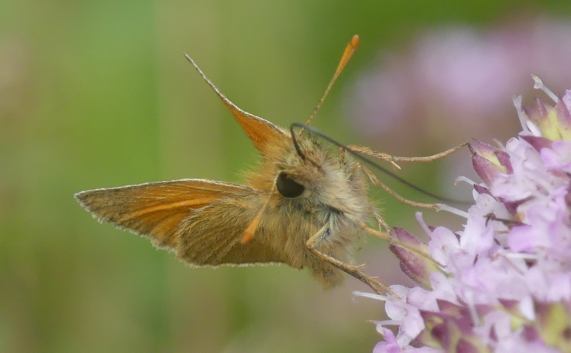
(288, 187)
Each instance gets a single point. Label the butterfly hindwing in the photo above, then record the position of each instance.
(204, 242)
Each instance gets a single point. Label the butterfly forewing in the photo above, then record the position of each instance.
(155, 209)
(201, 220)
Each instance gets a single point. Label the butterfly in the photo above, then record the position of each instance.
(305, 206)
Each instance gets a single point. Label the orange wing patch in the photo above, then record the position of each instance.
(260, 131)
(157, 209)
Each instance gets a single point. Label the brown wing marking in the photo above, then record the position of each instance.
(202, 241)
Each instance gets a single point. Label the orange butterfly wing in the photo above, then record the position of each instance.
(260, 131)
(155, 209)
(203, 221)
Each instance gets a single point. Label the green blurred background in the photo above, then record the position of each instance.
(98, 94)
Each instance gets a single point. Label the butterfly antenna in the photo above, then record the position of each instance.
(347, 54)
(373, 164)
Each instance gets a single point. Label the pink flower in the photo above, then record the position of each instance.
(503, 282)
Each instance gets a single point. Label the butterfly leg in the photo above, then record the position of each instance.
(352, 270)
(395, 159)
(376, 182)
